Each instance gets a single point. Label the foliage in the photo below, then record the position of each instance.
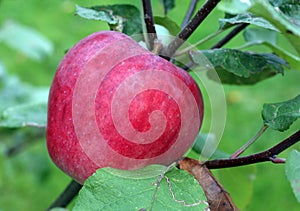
(123, 18)
(292, 172)
(104, 190)
(238, 67)
(279, 116)
(26, 40)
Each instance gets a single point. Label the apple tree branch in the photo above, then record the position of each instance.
(187, 31)
(149, 22)
(64, 199)
(267, 155)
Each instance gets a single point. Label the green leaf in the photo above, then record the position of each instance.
(260, 35)
(26, 40)
(92, 14)
(292, 170)
(17, 100)
(169, 24)
(238, 67)
(280, 21)
(280, 116)
(34, 115)
(245, 18)
(287, 24)
(292, 60)
(290, 8)
(257, 36)
(107, 191)
(14, 92)
(168, 5)
(120, 17)
(234, 6)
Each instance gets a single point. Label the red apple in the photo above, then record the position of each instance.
(114, 104)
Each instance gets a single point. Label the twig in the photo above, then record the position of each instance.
(149, 21)
(67, 195)
(251, 141)
(32, 136)
(230, 35)
(268, 155)
(189, 13)
(205, 39)
(185, 33)
(16, 149)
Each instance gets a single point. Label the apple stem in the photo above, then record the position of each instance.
(149, 22)
(67, 195)
(267, 155)
(230, 35)
(157, 47)
(187, 31)
(189, 13)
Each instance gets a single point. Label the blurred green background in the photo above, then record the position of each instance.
(30, 181)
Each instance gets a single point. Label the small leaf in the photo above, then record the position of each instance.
(169, 24)
(123, 18)
(292, 170)
(280, 116)
(238, 67)
(26, 40)
(168, 5)
(245, 18)
(260, 35)
(234, 6)
(34, 114)
(106, 191)
(96, 15)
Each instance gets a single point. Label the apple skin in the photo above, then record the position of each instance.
(114, 104)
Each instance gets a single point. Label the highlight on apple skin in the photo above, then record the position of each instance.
(115, 104)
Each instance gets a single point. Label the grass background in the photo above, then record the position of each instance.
(30, 181)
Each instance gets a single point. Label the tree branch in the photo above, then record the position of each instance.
(67, 195)
(185, 33)
(230, 35)
(32, 136)
(149, 21)
(189, 13)
(268, 155)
